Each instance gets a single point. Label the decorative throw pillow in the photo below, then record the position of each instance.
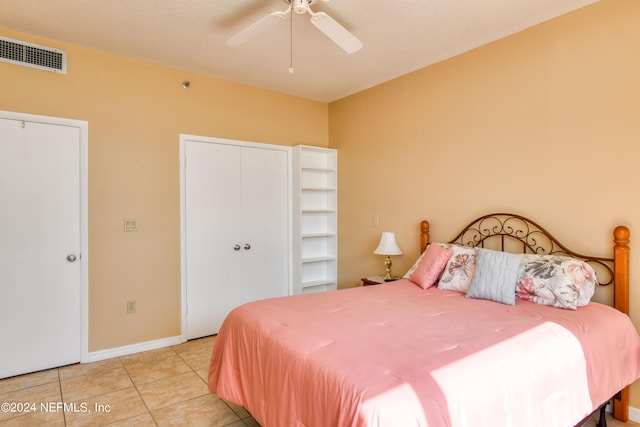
(495, 276)
(415, 265)
(458, 272)
(555, 280)
(431, 265)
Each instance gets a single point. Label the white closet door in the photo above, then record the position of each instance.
(39, 229)
(236, 238)
(213, 209)
(265, 210)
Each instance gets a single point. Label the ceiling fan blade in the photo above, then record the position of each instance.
(256, 28)
(336, 32)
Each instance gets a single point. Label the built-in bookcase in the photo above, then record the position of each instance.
(315, 219)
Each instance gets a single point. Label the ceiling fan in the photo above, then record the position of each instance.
(329, 26)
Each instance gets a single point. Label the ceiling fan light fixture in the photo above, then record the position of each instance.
(300, 6)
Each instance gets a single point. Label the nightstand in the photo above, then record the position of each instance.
(375, 280)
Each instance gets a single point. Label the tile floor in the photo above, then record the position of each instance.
(164, 387)
(613, 423)
(161, 387)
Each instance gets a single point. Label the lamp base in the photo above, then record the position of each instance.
(387, 263)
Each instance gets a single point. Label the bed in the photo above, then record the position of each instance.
(420, 352)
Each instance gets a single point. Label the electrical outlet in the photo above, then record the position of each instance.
(131, 307)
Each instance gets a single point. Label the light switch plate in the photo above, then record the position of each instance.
(131, 306)
(130, 224)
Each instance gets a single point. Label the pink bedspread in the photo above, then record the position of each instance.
(396, 355)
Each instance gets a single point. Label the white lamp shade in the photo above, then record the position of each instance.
(388, 245)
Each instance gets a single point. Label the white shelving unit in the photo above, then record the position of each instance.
(315, 219)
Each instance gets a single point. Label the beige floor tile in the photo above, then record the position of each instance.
(204, 374)
(615, 423)
(30, 401)
(85, 386)
(173, 390)
(144, 420)
(147, 356)
(239, 410)
(49, 419)
(93, 368)
(207, 410)
(160, 366)
(197, 344)
(250, 422)
(28, 380)
(108, 408)
(197, 358)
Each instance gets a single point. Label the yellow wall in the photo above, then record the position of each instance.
(545, 123)
(136, 112)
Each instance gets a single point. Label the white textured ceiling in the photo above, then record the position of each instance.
(399, 36)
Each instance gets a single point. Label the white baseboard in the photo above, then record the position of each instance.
(135, 348)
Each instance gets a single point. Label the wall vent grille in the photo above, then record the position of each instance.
(32, 55)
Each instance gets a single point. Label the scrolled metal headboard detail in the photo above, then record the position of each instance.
(500, 229)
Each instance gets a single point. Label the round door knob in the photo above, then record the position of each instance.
(236, 248)
(247, 246)
(71, 257)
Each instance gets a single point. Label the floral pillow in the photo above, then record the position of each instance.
(431, 265)
(459, 270)
(555, 280)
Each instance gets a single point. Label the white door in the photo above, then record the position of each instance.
(39, 246)
(213, 208)
(236, 229)
(265, 227)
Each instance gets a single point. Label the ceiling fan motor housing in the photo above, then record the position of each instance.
(300, 6)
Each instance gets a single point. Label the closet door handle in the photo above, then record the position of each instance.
(247, 246)
(236, 248)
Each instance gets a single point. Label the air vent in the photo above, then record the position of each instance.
(31, 55)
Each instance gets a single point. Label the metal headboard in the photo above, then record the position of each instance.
(499, 231)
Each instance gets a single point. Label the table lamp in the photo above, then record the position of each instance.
(388, 247)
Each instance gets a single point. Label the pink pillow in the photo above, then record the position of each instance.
(431, 266)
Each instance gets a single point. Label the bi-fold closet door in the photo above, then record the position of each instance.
(236, 227)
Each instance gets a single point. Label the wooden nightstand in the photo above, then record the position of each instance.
(375, 280)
